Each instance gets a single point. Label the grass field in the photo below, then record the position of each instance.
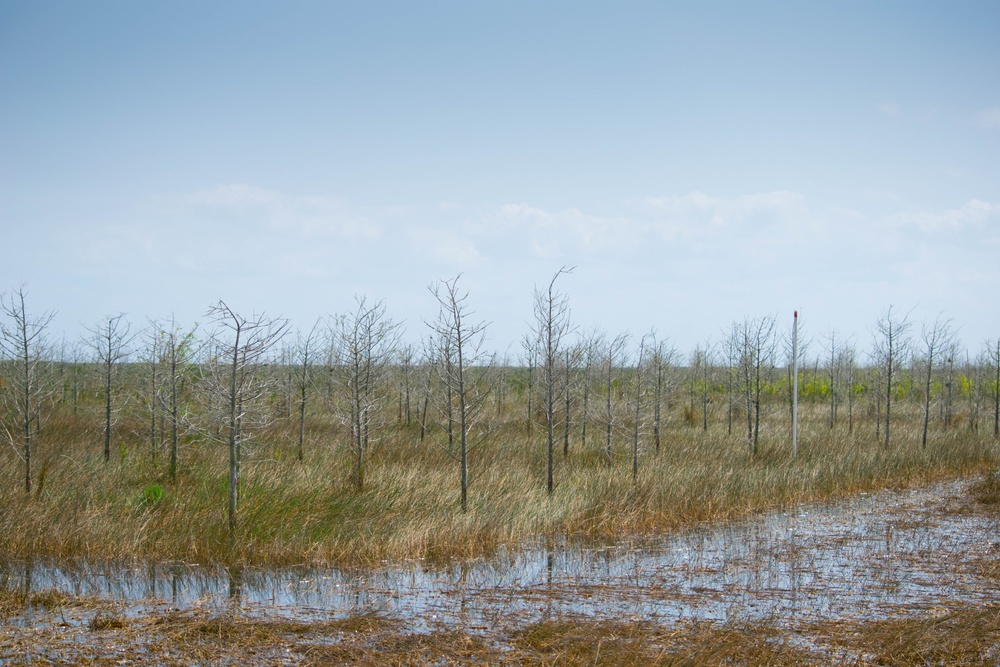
(309, 512)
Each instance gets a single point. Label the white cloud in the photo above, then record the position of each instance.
(236, 195)
(453, 248)
(689, 215)
(307, 217)
(973, 212)
(988, 118)
(569, 233)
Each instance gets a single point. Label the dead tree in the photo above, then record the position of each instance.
(951, 350)
(614, 352)
(637, 400)
(732, 355)
(406, 354)
(237, 376)
(551, 326)
(23, 340)
(891, 348)
(177, 351)
(78, 361)
(833, 374)
(848, 363)
(756, 345)
(661, 361)
(935, 336)
(427, 366)
(993, 354)
(701, 374)
(110, 340)
(365, 341)
(591, 353)
(153, 398)
(465, 369)
(530, 350)
(304, 352)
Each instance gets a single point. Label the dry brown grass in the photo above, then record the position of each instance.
(966, 636)
(310, 512)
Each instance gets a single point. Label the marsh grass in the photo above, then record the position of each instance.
(310, 512)
(967, 635)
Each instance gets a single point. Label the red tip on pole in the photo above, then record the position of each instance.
(796, 313)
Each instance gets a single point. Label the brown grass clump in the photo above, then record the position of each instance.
(640, 643)
(967, 636)
(103, 636)
(987, 490)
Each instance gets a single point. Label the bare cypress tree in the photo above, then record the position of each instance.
(237, 376)
(592, 349)
(849, 363)
(892, 346)
(304, 351)
(530, 350)
(612, 358)
(732, 351)
(757, 343)
(551, 326)
(935, 336)
(23, 339)
(637, 399)
(406, 355)
(110, 340)
(951, 351)
(178, 349)
(465, 369)
(153, 398)
(365, 341)
(833, 371)
(78, 363)
(705, 378)
(972, 384)
(993, 354)
(427, 370)
(662, 360)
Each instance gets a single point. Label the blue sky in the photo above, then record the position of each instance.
(696, 162)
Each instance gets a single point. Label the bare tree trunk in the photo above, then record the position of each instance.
(110, 340)
(657, 396)
(552, 322)
(233, 432)
(893, 346)
(934, 337)
(566, 412)
(24, 339)
(638, 410)
(304, 348)
(241, 384)
(459, 344)
(996, 391)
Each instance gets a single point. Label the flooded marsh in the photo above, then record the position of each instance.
(813, 583)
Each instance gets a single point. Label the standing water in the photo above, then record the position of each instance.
(865, 557)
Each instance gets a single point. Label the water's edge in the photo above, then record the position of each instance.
(864, 557)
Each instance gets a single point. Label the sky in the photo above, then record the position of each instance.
(695, 163)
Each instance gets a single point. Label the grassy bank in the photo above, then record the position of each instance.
(310, 512)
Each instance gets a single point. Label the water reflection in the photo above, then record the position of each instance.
(847, 560)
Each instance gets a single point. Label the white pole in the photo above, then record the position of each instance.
(795, 384)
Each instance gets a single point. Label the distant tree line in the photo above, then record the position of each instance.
(567, 389)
